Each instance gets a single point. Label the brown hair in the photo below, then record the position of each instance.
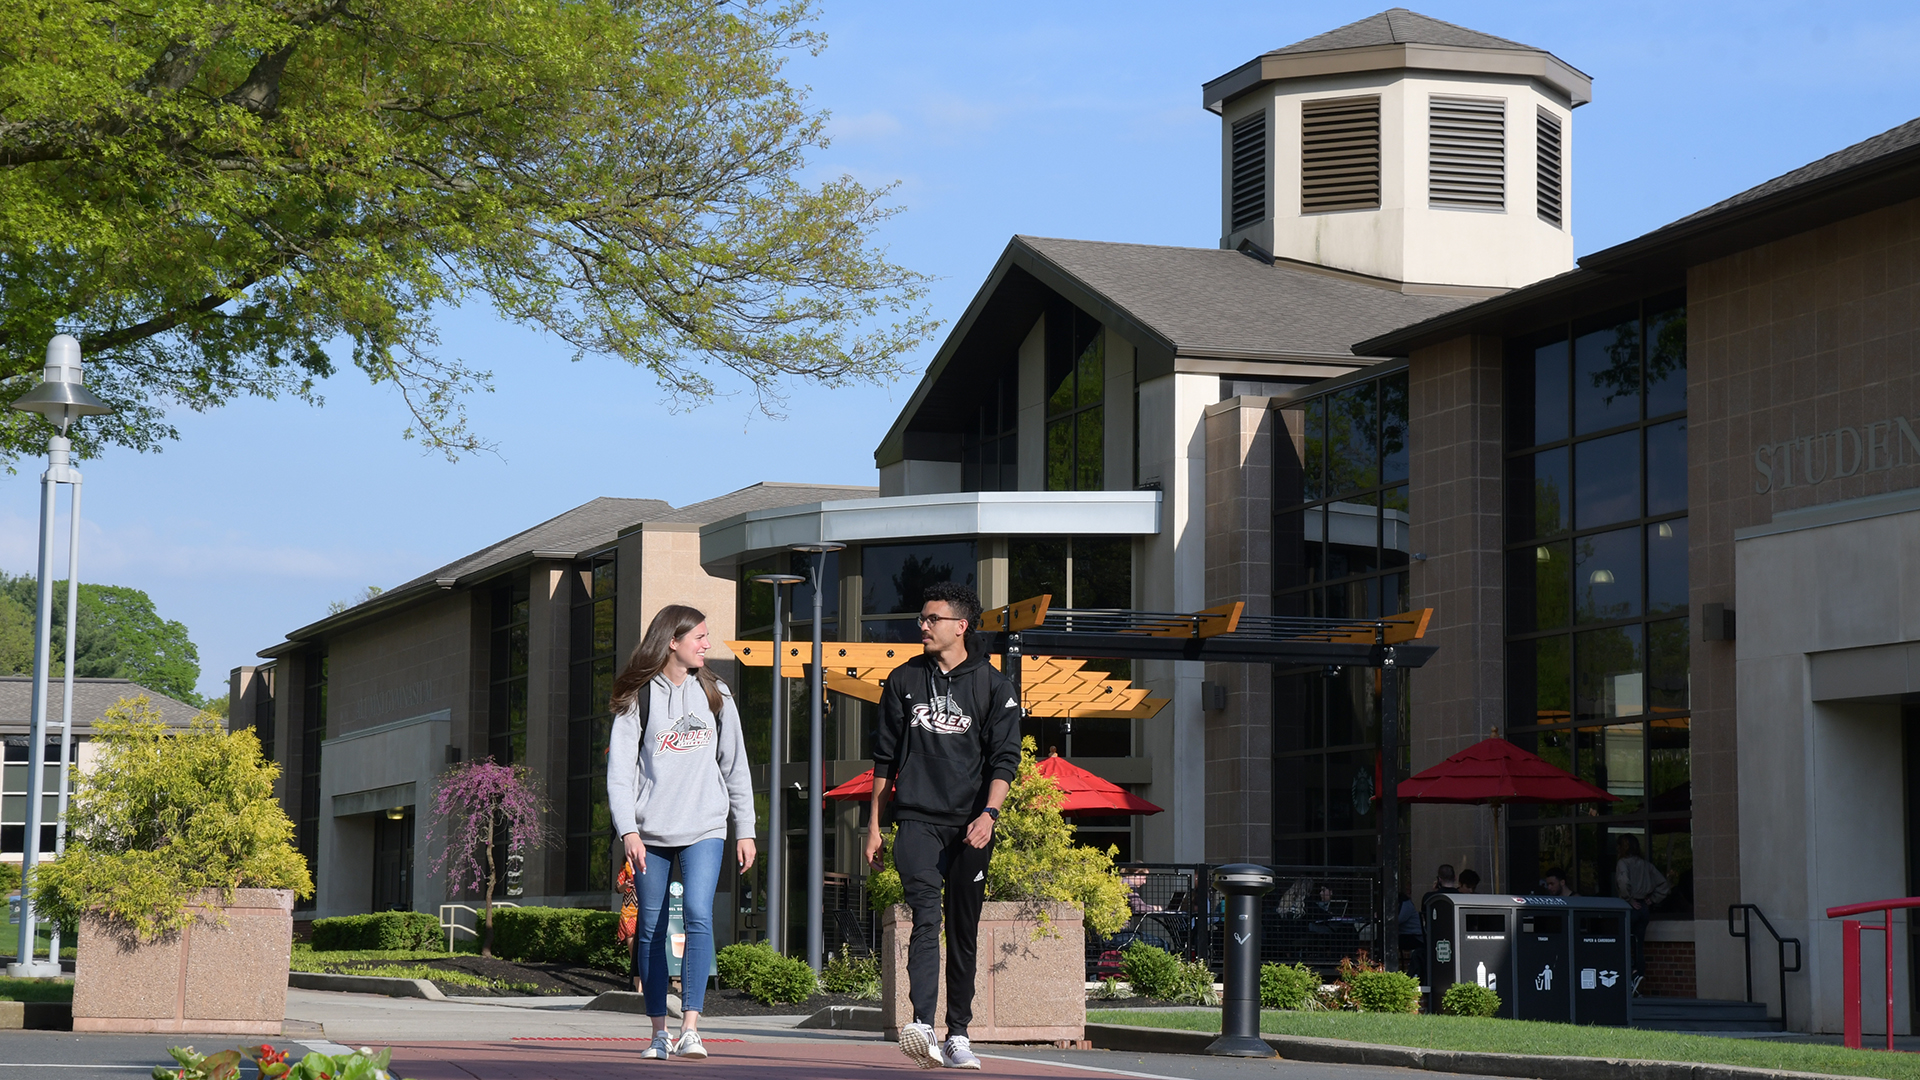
(674, 622)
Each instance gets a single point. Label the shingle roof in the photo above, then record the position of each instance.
(1865, 152)
(586, 526)
(91, 700)
(762, 496)
(1207, 301)
(1398, 26)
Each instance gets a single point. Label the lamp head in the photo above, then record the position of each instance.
(62, 395)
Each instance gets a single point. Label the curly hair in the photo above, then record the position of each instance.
(961, 598)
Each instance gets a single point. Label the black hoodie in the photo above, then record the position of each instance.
(943, 738)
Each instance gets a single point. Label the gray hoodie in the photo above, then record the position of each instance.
(678, 785)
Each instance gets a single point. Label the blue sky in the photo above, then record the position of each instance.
(1056, 119)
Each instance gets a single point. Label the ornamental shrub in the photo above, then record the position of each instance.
(781, 980)
(1287, 986)
(1469, 999)
(1156, 973)
(550, 935)
(734, 962)
(855, 977)
(409, 930)
(165, 814)
(1370, 988)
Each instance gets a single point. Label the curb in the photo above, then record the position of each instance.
(846, 1018)
(36, 1015)
(629, 1001)
(365, 984)
(1531, 1066)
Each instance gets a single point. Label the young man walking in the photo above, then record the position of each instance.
(947, 748)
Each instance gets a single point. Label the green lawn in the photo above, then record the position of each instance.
(35, 990)
(1528, 1037)
(392, 964)
(10, 936)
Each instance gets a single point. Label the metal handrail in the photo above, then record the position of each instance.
(1744, 933)
(1850, 930)
(449, 922)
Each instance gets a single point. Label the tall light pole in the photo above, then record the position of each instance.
(816, 692)
(61, 397)
(776, 861)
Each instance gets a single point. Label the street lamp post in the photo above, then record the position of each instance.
(816, 692)
(776, 861)
(61, 397)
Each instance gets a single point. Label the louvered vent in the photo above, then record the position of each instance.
(1467, 153)
(1340, 154)
(1249, 171)
(1549, 181)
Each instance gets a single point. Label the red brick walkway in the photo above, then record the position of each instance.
(605, 1059)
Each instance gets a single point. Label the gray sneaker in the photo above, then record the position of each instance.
(917, 1042)
(690, 1046)
(959, 1053)
(659, 1048)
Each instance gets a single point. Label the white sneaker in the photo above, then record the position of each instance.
(659, 1048)
(918, 1043)
(958, 1051)
(690, 1046)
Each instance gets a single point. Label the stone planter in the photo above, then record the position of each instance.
(207, 979)
(1030, 985)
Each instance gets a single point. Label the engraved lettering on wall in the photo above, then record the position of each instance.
(1807, 460)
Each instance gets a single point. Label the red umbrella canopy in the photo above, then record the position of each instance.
(857, 789)
(1087, 793)
(1496, 771)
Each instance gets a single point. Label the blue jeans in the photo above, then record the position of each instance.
(699, 873)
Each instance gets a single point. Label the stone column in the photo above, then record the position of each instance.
(1239, 566)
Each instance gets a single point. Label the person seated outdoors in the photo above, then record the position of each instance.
(1555, 882)
(1469, 881)
(1443, 882)
(1134, 879)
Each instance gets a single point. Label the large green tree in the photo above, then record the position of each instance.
(210, 193)
(120, 635)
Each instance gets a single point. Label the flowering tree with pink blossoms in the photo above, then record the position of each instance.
(473, 804)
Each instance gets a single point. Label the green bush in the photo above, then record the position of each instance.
(1156, 973)
(734, 962)
(859, 978)
(1287, 986)
(781, 980)
(1383, 991)
(1469, 999)
(560, 936)
(382, 930)
(9, 877)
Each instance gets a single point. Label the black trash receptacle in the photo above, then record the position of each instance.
(1548, 957)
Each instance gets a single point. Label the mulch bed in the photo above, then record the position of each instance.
(581, 981)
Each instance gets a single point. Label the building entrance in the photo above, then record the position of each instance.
(393, 862)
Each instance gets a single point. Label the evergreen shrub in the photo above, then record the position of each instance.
(410, 930)
(1287, 986)
(1469, 999)
(1156, 973)
(549, 935)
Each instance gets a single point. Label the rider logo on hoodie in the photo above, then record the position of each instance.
(942, 716)
(689, 734)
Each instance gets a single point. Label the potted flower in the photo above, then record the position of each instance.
(180, 878)
(1043, 893)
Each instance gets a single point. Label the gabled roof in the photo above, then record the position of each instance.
(1400, 39)
(1870, 174)
(1202, 303)
(91, 700)
(766, 495)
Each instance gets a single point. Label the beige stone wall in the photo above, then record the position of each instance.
(1239, 566)
(412, 662)
(1454, 395)
(1788, 344)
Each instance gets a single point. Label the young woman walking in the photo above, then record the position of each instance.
(676, 775)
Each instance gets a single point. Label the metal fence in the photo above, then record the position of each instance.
(1316, 915)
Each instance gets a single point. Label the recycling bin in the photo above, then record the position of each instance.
(1548, 957)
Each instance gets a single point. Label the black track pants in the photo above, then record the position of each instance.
(930, 857)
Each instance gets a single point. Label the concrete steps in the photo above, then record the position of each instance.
(1700, 1014)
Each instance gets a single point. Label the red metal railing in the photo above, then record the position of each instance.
(1850, 957)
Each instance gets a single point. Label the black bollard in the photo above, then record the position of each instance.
(1244, 884)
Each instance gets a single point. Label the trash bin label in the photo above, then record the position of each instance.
(1443, 951)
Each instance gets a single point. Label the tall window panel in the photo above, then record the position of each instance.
(990, 453)
(1598, 673)
(263, 710)
(1467, 153)
(1078, 572)
(507, 672)
(592, 665)
(1076, 371)
(313, 731)
(1340, 155)
(1341, 531)
(1249, 171)
(1547, 169)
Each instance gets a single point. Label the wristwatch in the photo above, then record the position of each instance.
(992, 812)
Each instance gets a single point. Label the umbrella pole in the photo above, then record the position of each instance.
(1497, 845)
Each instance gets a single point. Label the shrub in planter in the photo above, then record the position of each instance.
(1371, 988)
(165, 814)
(780, 980)
(1469, 999)
(560, 936)
(735, 963)
(1287, 986)
(408, 930)
(1156, 973)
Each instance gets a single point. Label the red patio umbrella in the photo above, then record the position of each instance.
(1085, 792)
(1494, 772)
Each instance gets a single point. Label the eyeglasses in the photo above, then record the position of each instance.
(928, 620)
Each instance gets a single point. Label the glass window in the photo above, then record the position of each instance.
(1540, 673)
(1539, 494)
(1670, 681)
(1606, 480)
(1539, 581)
(1610, 674)
(1667, 362)
(1606, 375)
(1076, 385)
(1667, 468)
(1606, 576)
(1396, 529)
(1089, 450)
(1667, 567)
(894, 576)
(1296, 549)
(1353, 537)
(1037, 568)
(592, 656)
(1314, 481)
(1102, 573)
(1549, 385)
(1060, 454)
(1353, 461)
(1393, 427)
